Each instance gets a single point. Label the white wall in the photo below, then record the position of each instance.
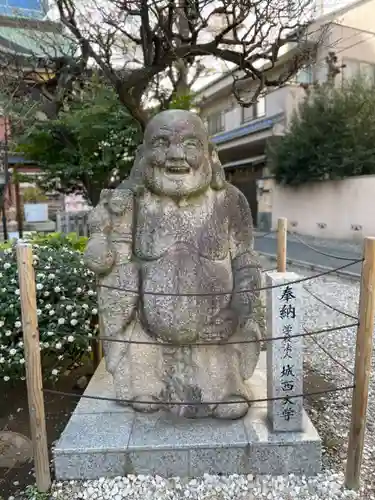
(330, 209)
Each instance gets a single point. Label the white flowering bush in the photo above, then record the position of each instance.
(67, 310)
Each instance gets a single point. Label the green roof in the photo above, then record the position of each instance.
(33, 42)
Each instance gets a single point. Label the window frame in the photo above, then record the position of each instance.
(357, 62)
(254, 107)
(220, 116)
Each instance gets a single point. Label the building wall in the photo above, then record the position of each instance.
(350, 43)
(330, 209)
(361, 16)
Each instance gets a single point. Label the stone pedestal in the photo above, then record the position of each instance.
(103, 438)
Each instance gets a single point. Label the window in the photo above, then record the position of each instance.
(305, 75)
(215, 122)
(255, 111)
(356, 69)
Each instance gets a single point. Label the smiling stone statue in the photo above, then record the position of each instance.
(173, 250)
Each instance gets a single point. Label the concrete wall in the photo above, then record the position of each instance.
(332, 209)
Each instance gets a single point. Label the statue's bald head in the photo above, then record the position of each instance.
(178, 120)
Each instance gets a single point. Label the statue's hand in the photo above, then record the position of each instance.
(221, 327)
(99, 256)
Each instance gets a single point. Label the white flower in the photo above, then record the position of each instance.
(17, 292)
(18, 324)
(39, 286)
(6, 378)
(89, 349)
(22, 361)
(91, 292)
(70, 338)
(94, 311)
(57, 289)
(39, 312)
(6, 265)
(85, 306)
(79, 290)
(12, 352)
(46, 344)
(8, 333)
(73, 322)
(69, 307)
(2, 359)
(52, 312)
(48, 306)
(46, 294)
(1, 275)
(50, 334)
(89, 335)
(50, 259)
(20, 343)
(3, 290)
(58, 345)
(1, 323)
(74, 314)
(60, 357)
(55, 372)
(51, 276)
(61, 321)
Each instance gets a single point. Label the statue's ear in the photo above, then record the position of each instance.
(218, 175)
(136, 174)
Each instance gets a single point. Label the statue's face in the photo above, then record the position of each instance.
(176, 154)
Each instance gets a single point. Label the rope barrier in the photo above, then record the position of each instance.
(214, 294)
(223, 343)
(329, 305)
(196, 403)
(264, 235)
(331, 357)
(339, 257)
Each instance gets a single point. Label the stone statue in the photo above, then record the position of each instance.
(172, 247)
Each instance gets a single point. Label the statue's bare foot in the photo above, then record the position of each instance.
(146, 404)
(232, 410)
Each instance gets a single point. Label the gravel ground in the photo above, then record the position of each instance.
(330, 413)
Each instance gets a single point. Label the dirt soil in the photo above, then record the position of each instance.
(14, 417)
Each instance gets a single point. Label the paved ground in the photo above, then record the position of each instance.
(298, 251)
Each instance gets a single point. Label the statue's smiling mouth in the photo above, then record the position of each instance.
(177, 169)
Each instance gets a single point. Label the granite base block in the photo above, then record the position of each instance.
(103, 438)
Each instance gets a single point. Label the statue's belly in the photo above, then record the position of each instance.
(182, 319)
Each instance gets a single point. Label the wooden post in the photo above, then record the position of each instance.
(282, 226)
(58, 222)
(33, 365)
(362, 366)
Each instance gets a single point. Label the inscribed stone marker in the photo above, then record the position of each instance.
(284, 356)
